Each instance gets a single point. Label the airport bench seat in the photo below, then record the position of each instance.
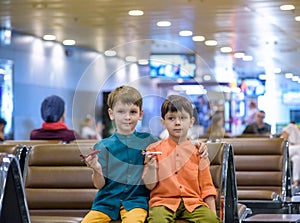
(262, 172)
(58, 185)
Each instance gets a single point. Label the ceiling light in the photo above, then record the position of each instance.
(239, 55)
(262, 77)
(287, 7)
(288, 75)
(295, 78)
(185, 33)
(211, 43)
(277, 70)
(135, 12)
(226, 49)
(69, 42)
(130, 59)
(190, 89)
(247, 58)
(206, 77)
(143, 62)
(163, 24)
(49, 37)
(198, 38)
(40, 5)
(110, 53)
(297, 18)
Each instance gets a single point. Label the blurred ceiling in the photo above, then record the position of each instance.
(256, 27)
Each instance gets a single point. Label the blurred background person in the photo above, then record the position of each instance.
(53, 127)
(216, 131)
(258, 127)
(89, 129)
(196, 130)
(251, 111)
(204, 111)
(2, 127)
(292, 133)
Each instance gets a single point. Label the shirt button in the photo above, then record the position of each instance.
(129, 176)
(176, 172)
(180, 186)
(130, 161)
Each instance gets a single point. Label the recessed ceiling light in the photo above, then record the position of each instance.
(143, 62)
(226, 49)
(135, 12)
(239, 55)
(211, 43)
(130, 59)
(163, 23)
(69, 42)
(287, 7)
(49, 37)
(110, 53)
(206, 77)
(262, 77)
(40, 5)
(185, 33)
(295, 78)
(277, 70)
(288, 75)
(198, 38)
(297, 18)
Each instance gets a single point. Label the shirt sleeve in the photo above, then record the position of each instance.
(102, 157)
(205, 179)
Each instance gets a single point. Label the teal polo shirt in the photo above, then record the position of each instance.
(122, 164)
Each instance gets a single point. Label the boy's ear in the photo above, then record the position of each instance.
(110, 113)
(192, 122)
(162, 121)
(141, 114)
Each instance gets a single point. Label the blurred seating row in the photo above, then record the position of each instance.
(246, 172)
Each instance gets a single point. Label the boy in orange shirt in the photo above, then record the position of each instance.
(180, 181)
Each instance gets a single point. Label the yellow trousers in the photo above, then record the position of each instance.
(136, 215)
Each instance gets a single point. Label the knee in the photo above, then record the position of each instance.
(159, 219)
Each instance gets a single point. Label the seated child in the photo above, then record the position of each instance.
(118, 168)
(180, 181)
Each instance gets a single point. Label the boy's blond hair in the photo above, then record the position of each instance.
(125, 94)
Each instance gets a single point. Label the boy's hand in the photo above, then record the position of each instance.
(91, 161)
(150, 161)
(202, 149)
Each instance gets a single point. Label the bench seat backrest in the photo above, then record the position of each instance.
(262, 168)
(58, 182)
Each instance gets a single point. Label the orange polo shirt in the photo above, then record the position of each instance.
(182, 174)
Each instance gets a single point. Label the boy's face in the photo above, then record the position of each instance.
(125, 117)
(177, 124)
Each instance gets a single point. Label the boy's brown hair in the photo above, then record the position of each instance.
(125, 94)
(175, 103)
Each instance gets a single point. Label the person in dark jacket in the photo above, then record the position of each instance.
(54, 128)
(258, 126)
